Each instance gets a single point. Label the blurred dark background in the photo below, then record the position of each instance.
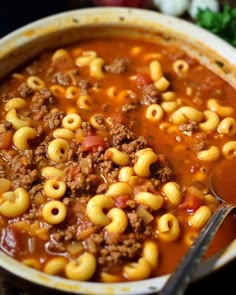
(16, 13)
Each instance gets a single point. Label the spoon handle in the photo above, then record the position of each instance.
(181, 277)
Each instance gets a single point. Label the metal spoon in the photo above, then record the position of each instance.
(222, 185)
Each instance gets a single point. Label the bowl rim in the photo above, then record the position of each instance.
(106, 16)
(75, 18)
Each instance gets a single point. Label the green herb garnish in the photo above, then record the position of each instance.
(221, 23)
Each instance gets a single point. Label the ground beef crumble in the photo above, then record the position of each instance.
(127, 250)
(150, 95)
(23, 172)
(61, 78)
(188, 128)
(120, 133)
(25, 90)
(53, 119)
(42, 97)
(118, 66)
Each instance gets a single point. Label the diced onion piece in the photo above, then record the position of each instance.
(144, 214)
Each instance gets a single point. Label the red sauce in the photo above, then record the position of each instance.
(223, 180)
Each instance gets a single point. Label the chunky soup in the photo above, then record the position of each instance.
(106, 147)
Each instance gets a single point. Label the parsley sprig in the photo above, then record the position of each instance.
(221, 23)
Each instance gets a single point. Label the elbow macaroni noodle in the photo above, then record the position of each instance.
(35, 83)
(13, 117)
(186, 113)
(57, 90)
(22, 136)
(209, 155)
(54, 212)
(95, 208)
(125, 174)
(229, 149)
(155, 70)
(119, 221)
(58, 150)
(138, 270)
(63, 133)
(16, 103)
(55, 266)
(200, 217)
(154, 112)
(151, 253)
(5, 185)
(222, 111)
(59, 53)
(54, 189)
(97, 121)
(150, 200)
(180, 66)
(86, 58)
(119, 188)
(162, 84)
(72, 121)
(117, 157)
(96, 68)
(227, 126)
(168, 227)
(52, 172)
(84, 102)
(211, 123)
(173, 193)
(72, 92)
(83, 268)
(146, 157)
(14, 203)
(32, 262)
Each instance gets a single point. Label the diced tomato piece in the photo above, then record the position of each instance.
(143, 79)
(121, 201)
(191, 203)
(11, 240)
(92, 142)
(118, 118)
(5, 140)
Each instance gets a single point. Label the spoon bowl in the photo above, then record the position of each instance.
(222, 186)
(222, 189)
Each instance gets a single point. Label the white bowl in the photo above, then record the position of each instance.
(60, 29)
